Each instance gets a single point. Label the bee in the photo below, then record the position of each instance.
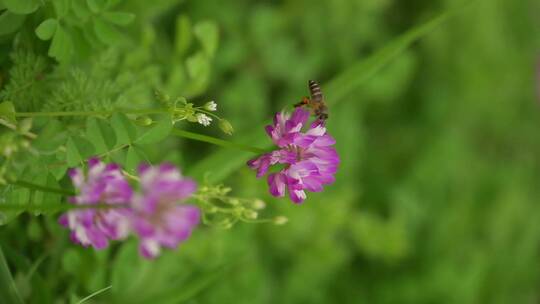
(315, 101)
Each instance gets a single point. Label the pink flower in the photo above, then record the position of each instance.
(309, 158)
(158, 219)
(103, 184)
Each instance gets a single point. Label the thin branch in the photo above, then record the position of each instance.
(217, 141)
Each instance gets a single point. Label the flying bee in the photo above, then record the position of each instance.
(315, 101)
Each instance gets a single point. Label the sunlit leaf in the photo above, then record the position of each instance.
(51, 137)
(95, 5)
(21, 6)
(156, 133)
(106, 32)
(133, 159)
(101, 134)
(126, 132)
(62, 46)
(119, 18)
(183, 35)
(45, 30)
(80, 9)
(7, 111)
(208, 35)
(78, 150)
(61, 7)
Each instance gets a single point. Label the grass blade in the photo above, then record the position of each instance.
(94, 294)
(8, 289)
(224, 162)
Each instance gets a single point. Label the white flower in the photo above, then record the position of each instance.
(203, 119)
(210, 106)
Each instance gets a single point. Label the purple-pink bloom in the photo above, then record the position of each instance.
(308, 157)
(103, 184)
(158, 219)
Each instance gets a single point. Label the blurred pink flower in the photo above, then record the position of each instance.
(103, 184)
(158, 219)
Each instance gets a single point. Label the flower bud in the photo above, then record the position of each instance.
(227, 225)
(250, 214)
(211, 209)
(258, 204)
(24, 144)
(280, 220)
(24, 126)
(226, 126)
(163, 98)
(210, 106)
(144, 121)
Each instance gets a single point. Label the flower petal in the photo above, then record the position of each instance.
(277, 184)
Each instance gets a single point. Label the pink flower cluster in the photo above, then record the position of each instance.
(153, 213)
(309, 161)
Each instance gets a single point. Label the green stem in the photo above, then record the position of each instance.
(217, 141)
(37, 187)
(90, 113)
(53, 208)
(200, 109)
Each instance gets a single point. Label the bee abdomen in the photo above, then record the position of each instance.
(315, 91)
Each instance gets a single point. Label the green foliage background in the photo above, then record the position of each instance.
(437, 197)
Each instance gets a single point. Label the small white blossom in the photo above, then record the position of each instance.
(210, 106)
(203, 119)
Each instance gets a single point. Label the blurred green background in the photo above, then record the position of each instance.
(437, 197)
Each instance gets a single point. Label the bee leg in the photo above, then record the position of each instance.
(304, 102)
(323, 116)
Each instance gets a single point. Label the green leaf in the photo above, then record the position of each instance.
(207, 33)
(7, 195)
(156, 134)
(106, 32)
(80, 9)
(61, 7)
(36, 197)
(51, 137)
(183, 35)
(200, 282)
(10, 22)
(7, 111)
(101, 134)
(21, 6)
(224, 162)
(119, 18)
(112, 3)
(78, 150)
(126, 132)
(56, 164)
(360, 72)
(133, 159)
(46, 29)
(82, 46)
(119, 156)
(95, 5)
(198, 67)
(61, 46)
(8, 290)
(40, 175)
